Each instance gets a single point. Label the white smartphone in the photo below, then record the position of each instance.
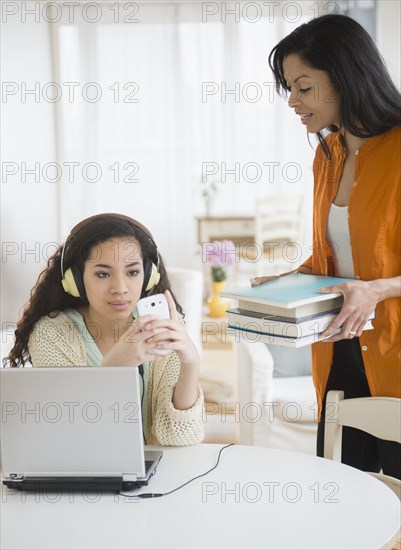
(154, 305)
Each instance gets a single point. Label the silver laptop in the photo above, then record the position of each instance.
(72, 427)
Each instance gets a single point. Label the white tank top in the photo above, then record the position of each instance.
(337, 234)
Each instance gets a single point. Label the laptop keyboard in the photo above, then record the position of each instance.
(148, 464)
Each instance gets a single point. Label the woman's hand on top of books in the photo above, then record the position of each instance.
(256, 281)
(360, 299)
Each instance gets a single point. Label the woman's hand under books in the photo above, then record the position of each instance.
(360, 299)
(260, 280)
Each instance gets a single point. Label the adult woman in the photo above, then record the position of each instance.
(338, 82)
(81, 312)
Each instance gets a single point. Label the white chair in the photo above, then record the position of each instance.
(187, 286)
(378, 416)
(278, 412)
(278, 223)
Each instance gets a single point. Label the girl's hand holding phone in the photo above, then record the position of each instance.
(132, 348)
(157, 306)
(171, 335)
(149, 337)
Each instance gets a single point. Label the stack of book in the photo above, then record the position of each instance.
(288, 311)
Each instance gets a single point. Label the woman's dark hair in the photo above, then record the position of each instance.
(338, 45)
(48, 296)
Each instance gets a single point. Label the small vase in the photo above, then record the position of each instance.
(217, 305)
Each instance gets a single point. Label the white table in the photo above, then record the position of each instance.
(256, 498)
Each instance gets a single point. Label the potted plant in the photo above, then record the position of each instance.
(208, 192)
(220, 255)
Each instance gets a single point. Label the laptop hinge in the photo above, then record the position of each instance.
(130, 477)
(17, 477)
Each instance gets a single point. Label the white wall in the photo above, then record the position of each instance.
(28, 210)
(30, 217)
(388, 36)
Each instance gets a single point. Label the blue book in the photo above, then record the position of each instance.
(292, 296)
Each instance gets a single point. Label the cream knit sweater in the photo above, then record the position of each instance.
(55, 342)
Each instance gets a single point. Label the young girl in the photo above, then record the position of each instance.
(82, 312)
(338, 82)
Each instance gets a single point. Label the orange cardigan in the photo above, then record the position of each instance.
(375, 233)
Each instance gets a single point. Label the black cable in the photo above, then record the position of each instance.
(140, 368)
(157, 495)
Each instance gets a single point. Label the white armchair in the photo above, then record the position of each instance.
(276, 412)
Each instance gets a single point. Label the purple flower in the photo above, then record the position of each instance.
(219, 252)
(219, 255)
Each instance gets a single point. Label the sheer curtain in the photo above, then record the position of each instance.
(178, 96)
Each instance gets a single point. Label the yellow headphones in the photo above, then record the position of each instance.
(69, 284)
(71, 279)
(154, 276)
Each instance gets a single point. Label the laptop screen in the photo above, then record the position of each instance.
(71, 421)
